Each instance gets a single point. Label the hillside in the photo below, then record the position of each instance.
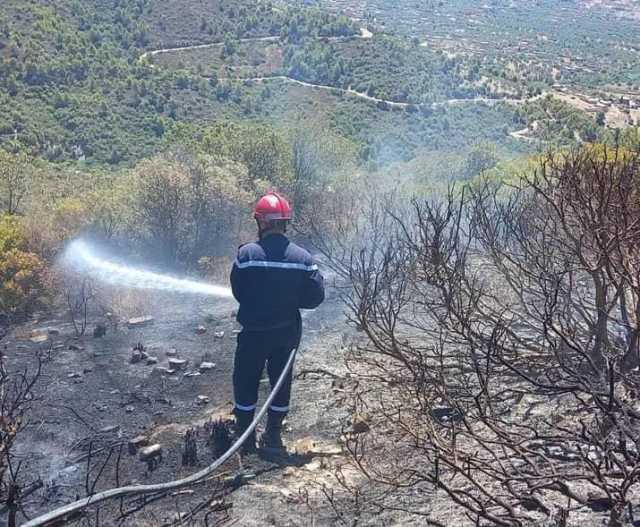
(569, 42)
(174, 23)
(587, 48)
(72, 87)
(55, 55)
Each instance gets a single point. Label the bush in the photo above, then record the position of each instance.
(22, 273)
(189, 207)
(499, 352)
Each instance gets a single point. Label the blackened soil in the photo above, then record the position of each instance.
(91, 400)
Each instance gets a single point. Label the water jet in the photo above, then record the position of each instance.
(84, 258)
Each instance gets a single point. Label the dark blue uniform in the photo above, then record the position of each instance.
(272, 279)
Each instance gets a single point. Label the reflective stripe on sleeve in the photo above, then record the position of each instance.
(274, 265)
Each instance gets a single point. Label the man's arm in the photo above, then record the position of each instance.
(312, 294)
(237, 282)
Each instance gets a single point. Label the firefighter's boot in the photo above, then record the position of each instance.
(243, 421)
(271, 439)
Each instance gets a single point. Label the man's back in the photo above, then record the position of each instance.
(272, 279)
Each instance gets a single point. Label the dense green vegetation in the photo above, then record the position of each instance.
(555, 122)
(179, 22)
(72, 87)
(385, 67)
(71, 84)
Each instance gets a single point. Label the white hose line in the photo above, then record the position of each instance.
(133, 490)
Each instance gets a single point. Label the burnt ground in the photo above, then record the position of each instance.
(92, 398)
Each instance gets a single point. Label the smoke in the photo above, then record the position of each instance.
(82, 257)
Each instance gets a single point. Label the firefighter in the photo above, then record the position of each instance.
(272, 279)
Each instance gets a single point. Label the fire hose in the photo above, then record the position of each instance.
(133, 490)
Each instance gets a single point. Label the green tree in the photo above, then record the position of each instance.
(264, 151)
(319, 159)
(15, 177)
(189, 206)
(162, 206)
(230, 46)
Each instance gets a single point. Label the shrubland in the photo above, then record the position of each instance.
(184, 209)
(385, 67)
(528, 44)
(74, 87)
(555, 122)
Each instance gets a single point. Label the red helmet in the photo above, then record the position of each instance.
(272, 206)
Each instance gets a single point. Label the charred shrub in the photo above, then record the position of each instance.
(500, 340)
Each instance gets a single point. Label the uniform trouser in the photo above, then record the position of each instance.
(255, 350)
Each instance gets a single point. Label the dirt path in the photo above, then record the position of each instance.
(523, 135)
(326, 87)
(161, 51)
(392, 104)
(365, 34)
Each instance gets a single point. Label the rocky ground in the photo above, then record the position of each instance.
(96, 394)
